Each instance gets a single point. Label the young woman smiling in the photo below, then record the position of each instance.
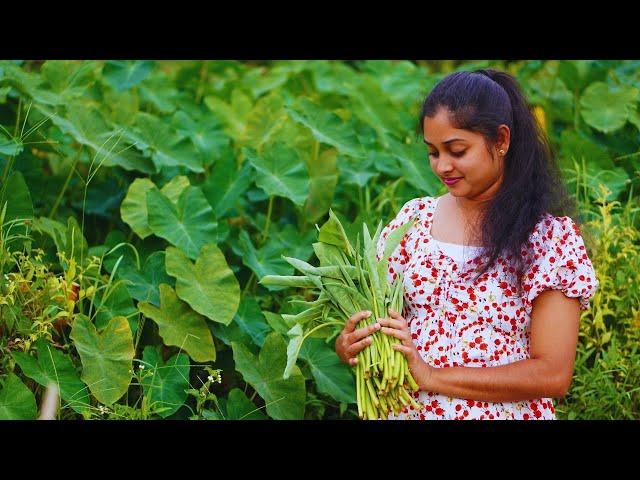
(492, 278)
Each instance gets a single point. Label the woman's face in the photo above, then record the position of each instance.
(461, 153)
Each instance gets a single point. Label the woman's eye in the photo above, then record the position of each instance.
(432, 154)
(458, 154)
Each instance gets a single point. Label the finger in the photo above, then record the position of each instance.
(353, 361)
(388, 322)
(354, 319)
(407, 351)
(364, 331)
(399, 334)
(355, 348)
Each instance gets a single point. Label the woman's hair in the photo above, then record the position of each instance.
(480, 101)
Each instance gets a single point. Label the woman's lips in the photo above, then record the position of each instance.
(451, 181)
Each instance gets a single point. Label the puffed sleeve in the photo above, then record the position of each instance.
(560, 263)
(399, 257)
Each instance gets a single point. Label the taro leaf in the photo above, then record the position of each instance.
(205, 133)
(117, 303)
(160, 93)
(239, 407)
(323, 174)
(124, 74)
(332, 233)
(134, 207)
(284, 399)
(327, 127)
(248, 324)
(69, 78)
(332, 377)
(167, 148)
(280, 172)
(208, 286)
(87, 126)
(607, 108)
(357, 171)
(165, 384)
(10, 146)
(53, 366)
(144, 284)
(296, 336)
(266, 119)
(106, 357)
(180, 326)
(188, 225)
(415, 167)
(174, 188)
(17, 402)
(16, 194)
(226, 183)
(234, 115)
(261, 80)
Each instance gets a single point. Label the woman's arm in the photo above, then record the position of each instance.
(547, 373)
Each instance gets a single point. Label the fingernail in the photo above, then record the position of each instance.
(369, 312)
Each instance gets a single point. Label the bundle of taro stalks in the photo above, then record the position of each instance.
(349, 280)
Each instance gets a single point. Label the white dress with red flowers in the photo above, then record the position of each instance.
(457, 322)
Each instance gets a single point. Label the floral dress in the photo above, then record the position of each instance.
(456, 322)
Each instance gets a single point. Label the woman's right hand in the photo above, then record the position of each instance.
(351, 341)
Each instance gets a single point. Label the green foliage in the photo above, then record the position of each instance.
(163, 190)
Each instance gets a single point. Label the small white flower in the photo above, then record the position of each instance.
(141, 367)
(210, 378)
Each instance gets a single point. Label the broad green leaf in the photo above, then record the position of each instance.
(16, 195)
(332, 377)
(356, 171)
(226, 184)
(174, 188)
(248, 325)
(415, 168)
(16, 400)
(326, 127)
(165, 384)
(188, 225)
(124, 74)
(266, 119)
(180, 326)
(117, 303)
(69, 78)
(280, 172)
(10, 146)
(239, 407)
(144, 284)
(106, 357)
(53, 366)
(323, 174)
(276, 322)
(607, 108)
(109, 147)
(205, 133)
(166, 147)
(233, 115)
(284, 399)
(134, 207)
(209, 286)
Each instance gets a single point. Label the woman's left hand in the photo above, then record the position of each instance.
(397, 326)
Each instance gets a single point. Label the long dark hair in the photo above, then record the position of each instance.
(480, 101)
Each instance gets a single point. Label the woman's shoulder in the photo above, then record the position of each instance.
(552, 228)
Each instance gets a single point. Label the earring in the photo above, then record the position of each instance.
(501, 151)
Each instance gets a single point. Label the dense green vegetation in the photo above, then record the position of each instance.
(141, 202)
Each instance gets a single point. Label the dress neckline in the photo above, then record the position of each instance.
(433, 203)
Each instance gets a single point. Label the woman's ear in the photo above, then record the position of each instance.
(504, 139)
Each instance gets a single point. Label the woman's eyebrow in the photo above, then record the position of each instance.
(445, 142)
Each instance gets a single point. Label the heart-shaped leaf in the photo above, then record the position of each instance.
(606, 108)
(165, 384)
(53, 366)
(124, 74)
(134, 206)
(332, 377)
(280, 172)
(226, 183)
(118, 302)
(188, 225)
(284, 399)
(143, 284)
(17, 402)
(106, 357)
(180, 326)
(248, 326)
(209, 286)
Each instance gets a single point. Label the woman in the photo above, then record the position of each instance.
(491, 278)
